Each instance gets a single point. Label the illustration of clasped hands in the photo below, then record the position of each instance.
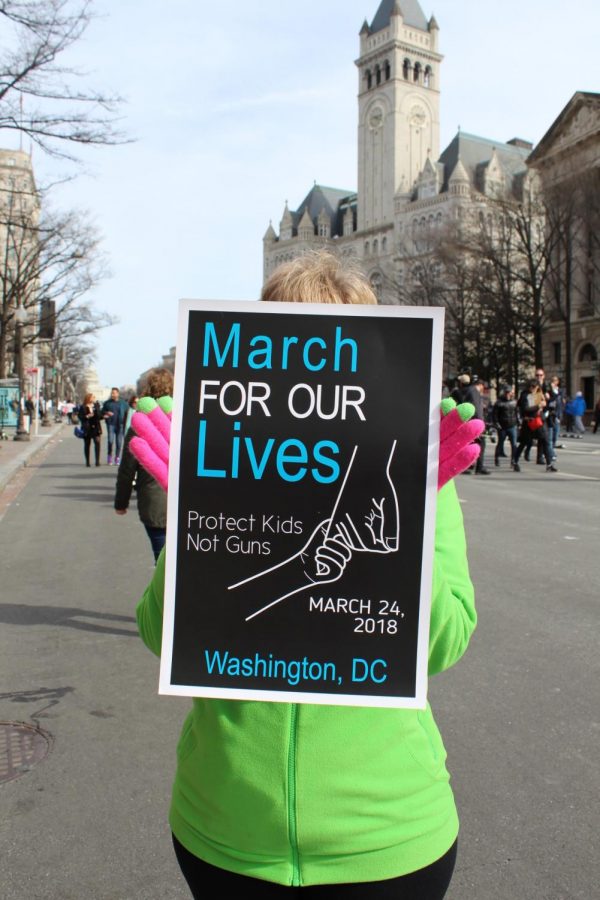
(371, 524)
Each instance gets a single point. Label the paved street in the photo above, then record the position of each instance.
(519, 714)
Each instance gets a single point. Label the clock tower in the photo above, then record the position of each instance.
(398, 99)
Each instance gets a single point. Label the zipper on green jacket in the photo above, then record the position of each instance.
(292, 827)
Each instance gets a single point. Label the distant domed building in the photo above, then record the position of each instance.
(94, 386)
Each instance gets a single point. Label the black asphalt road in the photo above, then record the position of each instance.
(520, 713)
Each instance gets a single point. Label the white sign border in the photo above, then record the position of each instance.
(186, 306)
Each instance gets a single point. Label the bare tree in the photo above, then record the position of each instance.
(47, 258)
(72, 354)
(38, 96)
(573, 215)
(439, 268)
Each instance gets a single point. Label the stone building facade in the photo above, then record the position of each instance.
(407, 190)
(568, 158)
(19, 216)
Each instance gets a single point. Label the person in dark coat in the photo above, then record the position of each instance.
(470, 390)
(91, 425)
(114, 411)
(151, 499)
(532, 404)
(555, 398)
(506, 420)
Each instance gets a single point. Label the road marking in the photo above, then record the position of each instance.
(578, 477)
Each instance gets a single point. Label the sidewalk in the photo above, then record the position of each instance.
(16, 454)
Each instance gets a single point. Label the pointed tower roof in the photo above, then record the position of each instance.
(411, 13)
(459, 174)
(429, 168)
(287, 216)
(270, 233)
(306, 220)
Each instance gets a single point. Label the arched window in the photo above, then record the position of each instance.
(378, 74)
(588, 353)
(438, 220)
(375, 246)
(384, 245)
(417, 72)
(427, 76)
(406, 69)
(367, 248)
(387, 70)
(369, 78)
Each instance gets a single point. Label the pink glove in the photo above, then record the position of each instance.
(152, 422)
(458, 430)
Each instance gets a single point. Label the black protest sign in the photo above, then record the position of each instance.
(302, 502)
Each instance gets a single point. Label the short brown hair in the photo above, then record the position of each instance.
(318, 277)
(158, 383)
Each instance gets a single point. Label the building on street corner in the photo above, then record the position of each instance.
(568, 161)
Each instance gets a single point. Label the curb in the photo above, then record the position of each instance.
(21, 456)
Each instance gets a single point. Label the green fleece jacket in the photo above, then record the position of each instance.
(304, 794)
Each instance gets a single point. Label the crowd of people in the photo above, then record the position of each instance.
(116, 414)
(539, 416)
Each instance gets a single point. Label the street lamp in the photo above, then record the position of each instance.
(21, 433)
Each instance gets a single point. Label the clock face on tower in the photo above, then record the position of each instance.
(375, 118)
(417, 116)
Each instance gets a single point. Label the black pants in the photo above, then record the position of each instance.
(526, 439)
(206, 881)
(480, 463)
(86, 448)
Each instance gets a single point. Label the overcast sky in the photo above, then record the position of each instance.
(238, 107)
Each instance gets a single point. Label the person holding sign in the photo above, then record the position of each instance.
(272, 799)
